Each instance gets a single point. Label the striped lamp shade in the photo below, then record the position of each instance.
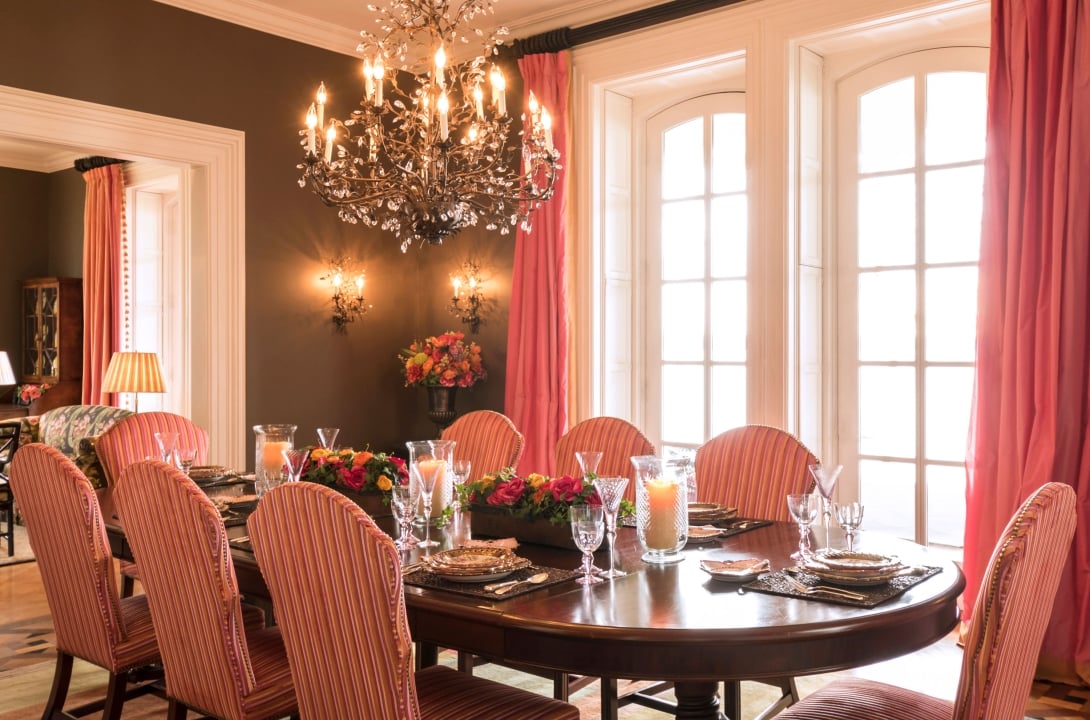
(134, 372)
(7, 375)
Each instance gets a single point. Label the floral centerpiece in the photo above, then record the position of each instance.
(533, 497)
(360, 471)
(27, 394)
(445, 360)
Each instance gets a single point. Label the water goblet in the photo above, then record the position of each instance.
(186, 457)
(825, 477)
(461, 469)
(327, 436)
(803, 508)
(588, 461)
(587, 530)
(610, 490)
(426, 473)
(850, 517)
(403, 499)
(168, 444)
(294, 461)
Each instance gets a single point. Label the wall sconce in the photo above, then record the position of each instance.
(468, 298)
(348, 300)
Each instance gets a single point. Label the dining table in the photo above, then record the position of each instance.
(672, 622)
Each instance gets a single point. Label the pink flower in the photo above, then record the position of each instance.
(565, 489)
(508, 493)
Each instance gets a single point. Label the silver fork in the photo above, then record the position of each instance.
(819, 589)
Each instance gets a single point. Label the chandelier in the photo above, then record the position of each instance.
(430, 150)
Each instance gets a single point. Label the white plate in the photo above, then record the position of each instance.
(722, 571)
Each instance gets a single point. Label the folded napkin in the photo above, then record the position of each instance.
(509, 543)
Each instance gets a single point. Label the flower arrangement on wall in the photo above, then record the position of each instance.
(445, 360)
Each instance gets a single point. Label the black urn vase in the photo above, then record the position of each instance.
(441, 405)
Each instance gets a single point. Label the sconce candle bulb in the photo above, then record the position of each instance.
(468, 298)
(347, 306)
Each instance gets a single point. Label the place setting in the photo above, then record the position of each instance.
(490, 572)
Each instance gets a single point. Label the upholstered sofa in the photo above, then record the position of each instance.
(72, 429)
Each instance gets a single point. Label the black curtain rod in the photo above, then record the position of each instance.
(82, 165)
(567, 38)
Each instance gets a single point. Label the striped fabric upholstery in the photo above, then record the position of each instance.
(65, 528)
(311, 541)
(617, 439)
(213, 662)
(133, 438)
(488, 439)
(753, 468)
(1013, 609)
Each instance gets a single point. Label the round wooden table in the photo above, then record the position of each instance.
(676, 623)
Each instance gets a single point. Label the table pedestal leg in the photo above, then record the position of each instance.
(698, 701)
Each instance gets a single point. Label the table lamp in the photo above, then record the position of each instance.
(133, 372)
(7, 375)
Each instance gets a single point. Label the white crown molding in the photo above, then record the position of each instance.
(278, 21)
(36, 157)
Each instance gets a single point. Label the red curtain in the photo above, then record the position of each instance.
(102, 229)
(1032, 397)
(535, 396)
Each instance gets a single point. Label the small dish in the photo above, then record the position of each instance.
(703, 534)
(735, 571)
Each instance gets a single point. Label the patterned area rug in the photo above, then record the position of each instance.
(23, 552)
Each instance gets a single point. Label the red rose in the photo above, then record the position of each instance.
(565, 489)
(508, 493)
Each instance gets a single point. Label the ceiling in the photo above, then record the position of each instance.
(334, 25)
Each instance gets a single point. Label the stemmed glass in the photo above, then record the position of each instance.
(295, 461)
(588, 461)
(186, 457)
(461, 469)
(427, 472)
(825, 478)
(168, 444)
(610, 490)
(403, 499)
(803, 508)
(327, 437)
(587, 530)
(850, 517)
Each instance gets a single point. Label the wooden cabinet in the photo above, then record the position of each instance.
(53, 337)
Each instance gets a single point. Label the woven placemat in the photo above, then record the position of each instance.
(423, 578)
(733, 526)
(775, 583)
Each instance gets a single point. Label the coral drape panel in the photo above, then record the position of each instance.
(1030, 406)
(102, 223)
(536, 393)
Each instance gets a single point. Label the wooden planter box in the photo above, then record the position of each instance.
(372, 501)
(492, 522)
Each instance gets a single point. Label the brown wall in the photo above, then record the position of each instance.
(150, 57)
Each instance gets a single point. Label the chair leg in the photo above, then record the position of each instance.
(175, 710)
(62, 675)
(128, 585)
(115, 696)
(465, 662)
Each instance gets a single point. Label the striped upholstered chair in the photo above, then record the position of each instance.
(618, 440)
(133, 438)
(753, 468)
(216, 662)
(1012, 612)
(308, 536)
(65, 527)
(488, 439)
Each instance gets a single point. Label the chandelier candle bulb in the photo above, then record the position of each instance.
(440, 65)
(444, 108)
(478, 104)
(321, 105)
(499, 85)
(312, 122)
(379, 70)
(330, 136)
(368, 79)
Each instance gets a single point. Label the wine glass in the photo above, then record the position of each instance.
(850, 517)
(295, 460)
(587, 530)
(328, 437)
(825, 477)
(610, 490)
(168, 444)
(426, 472)
(588, 461)
(403, 499)
(461, 469)
(803, 508)
(186, 457)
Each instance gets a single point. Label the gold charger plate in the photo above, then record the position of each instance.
(200, 472)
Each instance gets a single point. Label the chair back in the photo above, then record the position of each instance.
(179, 542)
(133, 438)
(1014, 605)
(65, 529)
(754, 468)
(10, 433)
(64, 427)
(307, 538)
(488, 439)
(618, 440)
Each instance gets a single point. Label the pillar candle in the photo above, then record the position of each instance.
(661, 532)
(271, 458)
(429, 469)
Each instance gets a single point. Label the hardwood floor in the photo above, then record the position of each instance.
(27, 657)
